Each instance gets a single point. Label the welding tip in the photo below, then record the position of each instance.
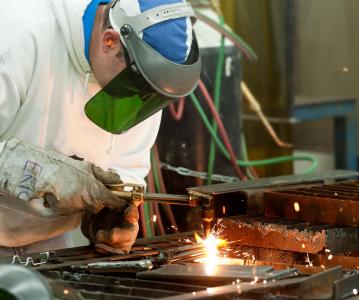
(207, 226)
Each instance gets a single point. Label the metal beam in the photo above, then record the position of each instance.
(287, 235)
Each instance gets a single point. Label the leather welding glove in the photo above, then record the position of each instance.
(111, 231)
(53, 183)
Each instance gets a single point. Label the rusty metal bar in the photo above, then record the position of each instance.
(287, 235)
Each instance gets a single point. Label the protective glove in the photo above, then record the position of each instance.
(111, 231)
(54, 184)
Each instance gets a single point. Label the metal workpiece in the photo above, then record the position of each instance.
(182, 253)
(336, 204)
(282, 234)
(120, 266)
(199, 274)
(237, 198)
(276, 182)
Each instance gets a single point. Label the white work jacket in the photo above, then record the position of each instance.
(42, 96)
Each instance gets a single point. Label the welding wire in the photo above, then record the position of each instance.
(158, 176)
(177, 114)
(222, 130)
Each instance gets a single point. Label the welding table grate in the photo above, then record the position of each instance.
(336, 204)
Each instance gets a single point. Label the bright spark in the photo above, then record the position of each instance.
(330, 256)
(296, 206)
(154, 219)
(355, 291)
(211, 244)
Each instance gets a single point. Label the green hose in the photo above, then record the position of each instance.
(146, 207)
(155, 173)
(217, 98)
(254, 163)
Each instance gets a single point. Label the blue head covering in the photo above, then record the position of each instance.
(169, 38)
(88, 20)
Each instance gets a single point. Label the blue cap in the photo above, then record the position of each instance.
(169, 38)
(172, 38)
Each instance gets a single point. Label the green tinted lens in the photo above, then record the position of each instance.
(126, 101)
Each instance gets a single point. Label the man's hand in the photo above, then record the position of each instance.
(54, 184)
(111, 231)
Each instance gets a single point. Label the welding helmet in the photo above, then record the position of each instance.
(150, 81)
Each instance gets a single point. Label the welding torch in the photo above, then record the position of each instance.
(135, 194)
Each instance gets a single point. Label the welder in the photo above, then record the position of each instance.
(82, 85)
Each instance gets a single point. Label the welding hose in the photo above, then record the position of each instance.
(228, 147)
(160, 185)
(177, 114)
(143, 220)
(245, 49)
(159, 221)
(251, 173)
(147, 208)
(156, 225)
(255, 163)
(160, 188)
(217, 99)
(237, 41)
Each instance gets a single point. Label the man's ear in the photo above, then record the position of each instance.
(110, 41)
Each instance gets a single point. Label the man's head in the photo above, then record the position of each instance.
(106, 49)
(143, 54)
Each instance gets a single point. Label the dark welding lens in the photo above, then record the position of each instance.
(126, 101)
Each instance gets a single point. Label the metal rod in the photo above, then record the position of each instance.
(156, 198)
(167, 199)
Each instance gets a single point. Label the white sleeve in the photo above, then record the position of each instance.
(9, 96)
(132, 158)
